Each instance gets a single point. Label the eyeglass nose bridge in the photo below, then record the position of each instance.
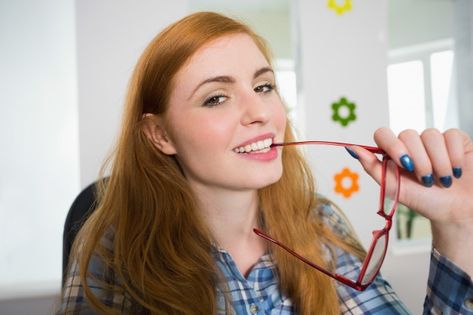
(386, 229)
(387, 217)
(383, 214)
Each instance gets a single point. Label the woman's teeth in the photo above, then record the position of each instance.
(262, 145)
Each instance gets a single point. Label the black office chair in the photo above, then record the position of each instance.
(84, 204)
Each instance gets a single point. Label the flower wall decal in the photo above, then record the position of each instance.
(343, 111)
(346, 182)
(339, 8)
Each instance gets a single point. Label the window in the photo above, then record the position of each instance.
(406, 92)
(286, 82)
(444, 105)
(421, 89)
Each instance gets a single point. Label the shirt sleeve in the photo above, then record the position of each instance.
(450, 289)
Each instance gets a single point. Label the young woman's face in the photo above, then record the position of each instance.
(223, 114)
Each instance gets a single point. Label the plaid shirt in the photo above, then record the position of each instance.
(450, 290)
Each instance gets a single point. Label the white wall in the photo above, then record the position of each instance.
(46, 106)
(463, 35)
(419, 21)
(110, 37)
(39, 142)
(270, 19)
(345, 55)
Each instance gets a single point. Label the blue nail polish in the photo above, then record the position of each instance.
(352, 153)
(457, 172)
(446, 181)
(407, 163)
(428, 180)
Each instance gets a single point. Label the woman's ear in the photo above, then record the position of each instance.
(154, 130)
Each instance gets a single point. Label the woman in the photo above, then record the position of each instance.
(194, 172)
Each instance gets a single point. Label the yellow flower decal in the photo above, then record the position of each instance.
(339, 8)
(346, 182)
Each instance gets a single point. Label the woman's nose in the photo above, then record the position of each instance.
(255, 109)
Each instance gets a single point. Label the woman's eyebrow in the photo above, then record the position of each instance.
(220, 78)
(229, 79)
(261, 71)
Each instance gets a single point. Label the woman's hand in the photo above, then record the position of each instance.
(436, 182)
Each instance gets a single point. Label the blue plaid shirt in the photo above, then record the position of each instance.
(450, 290)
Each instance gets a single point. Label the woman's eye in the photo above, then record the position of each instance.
(264, 88)
(214, 100)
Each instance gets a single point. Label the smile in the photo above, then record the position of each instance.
(261, 146)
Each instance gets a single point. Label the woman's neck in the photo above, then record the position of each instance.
(231, 217)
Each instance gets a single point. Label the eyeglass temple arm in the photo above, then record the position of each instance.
(372, 149)
(328, 273)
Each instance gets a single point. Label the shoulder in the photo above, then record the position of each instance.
(330, 215)
(100, 279)
(339, 239)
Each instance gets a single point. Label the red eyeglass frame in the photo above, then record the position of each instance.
(377, 234)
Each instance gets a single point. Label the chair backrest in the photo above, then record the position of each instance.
(84, 204)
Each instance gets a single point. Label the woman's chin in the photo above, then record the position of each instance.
(265, 181)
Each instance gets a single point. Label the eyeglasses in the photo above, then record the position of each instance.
(388, 200)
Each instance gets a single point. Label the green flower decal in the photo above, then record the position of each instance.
(343, 111)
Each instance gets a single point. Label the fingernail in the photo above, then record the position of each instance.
(352, 153)
(457, 172)
(428, 180)
(407, 163)
(446, 181)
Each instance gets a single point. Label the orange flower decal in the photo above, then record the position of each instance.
(346, 182)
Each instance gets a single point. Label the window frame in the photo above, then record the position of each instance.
(422, 52)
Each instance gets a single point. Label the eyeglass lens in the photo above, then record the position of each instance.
(376, 259)
(391, 187)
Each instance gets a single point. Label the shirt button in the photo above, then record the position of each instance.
(469, 304)
(253, 308)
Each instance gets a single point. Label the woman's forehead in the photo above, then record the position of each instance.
(229, 53)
